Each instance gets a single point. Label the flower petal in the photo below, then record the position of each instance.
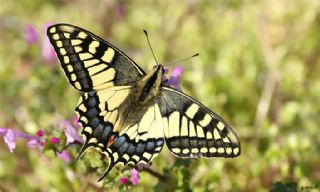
(31, 34)
(134, 176)
(65, 156)
(10, 140)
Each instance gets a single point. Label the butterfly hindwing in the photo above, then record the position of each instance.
(89, 62)
(100, 116)
(192, 130)
(138, 143)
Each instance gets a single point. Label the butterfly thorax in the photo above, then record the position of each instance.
(143, 95)
(149, 86)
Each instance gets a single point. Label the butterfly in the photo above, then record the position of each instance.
(128, 114)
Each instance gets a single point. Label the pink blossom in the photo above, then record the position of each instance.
(54, 140)
(124, 180)
(76, 122)
(134, 176)
(10, 137)
(10, 140)
(70, 132)
(31, 34)
(33, 143)
(48, 53)
(174, 80)
(65, 156)
(40, 133)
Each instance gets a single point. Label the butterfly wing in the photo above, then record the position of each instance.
(192, 130)
(139, 142)
(100, 116)
(89, 62)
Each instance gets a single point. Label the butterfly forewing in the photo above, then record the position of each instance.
(192, 130)
(89, 62)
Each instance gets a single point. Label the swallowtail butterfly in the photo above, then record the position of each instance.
(128, 114)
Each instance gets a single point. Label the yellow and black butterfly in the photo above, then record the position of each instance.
(128, 114)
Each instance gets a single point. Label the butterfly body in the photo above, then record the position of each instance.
(128, 114)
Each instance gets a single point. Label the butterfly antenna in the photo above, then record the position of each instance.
(181, 60)
(146, 33)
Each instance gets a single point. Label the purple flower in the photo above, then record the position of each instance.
(76, 122)
(55, 140)
(65, 156)
(70, 132)
(134, 176)
(174, 80)
(48, 53)
(31, 34)
(165, 71)
(120, 10)
(10, 140)
(10, 137)
(124, 180)
(34, 143)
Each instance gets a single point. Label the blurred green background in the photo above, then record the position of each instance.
(258, 68)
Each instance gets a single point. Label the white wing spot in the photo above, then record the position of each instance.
(206, 120)
(212, 150)
(63, 51)
(174, 120)
(82, 35)
(184, 126)
(77, 85)
(93, 140)
(176, 150)
(93, 45)
(89, 63)
(200, 131)
(78, 49)
(209, 135)
(55, 36)
(75, 42)
(220, 150)
(52, 30)
(228, 150)
(66, 59)
(204, 150)
(70, 68)
(66, 35)
(108, 55)
(59, 43)
(85, 56)
(185, 151)
(73, 77)
(88, 130)
(236, 151)
(216, 134)
(220, 126)
(147, 155)
(192, 129)
(192, 110)
(195, 150)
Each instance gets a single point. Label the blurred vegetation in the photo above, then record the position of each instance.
(258, 68)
